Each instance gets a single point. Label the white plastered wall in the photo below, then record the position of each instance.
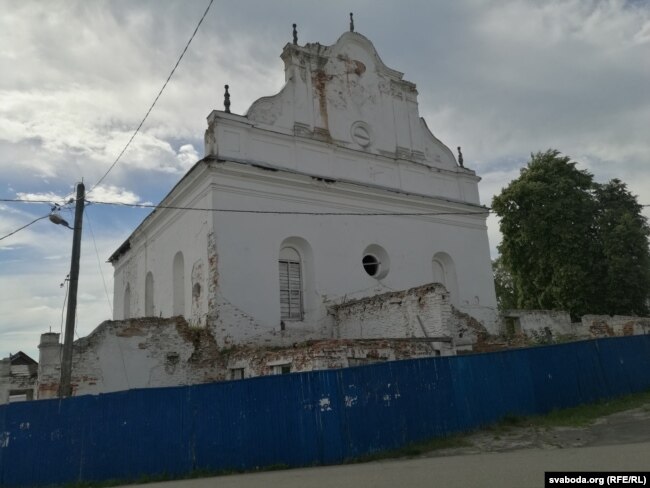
(153, 248)
(249, 245)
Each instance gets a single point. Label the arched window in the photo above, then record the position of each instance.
(148, 295)
(127, 302)
(439, 272)
(179, 284)
(444, 271)
(290, 284)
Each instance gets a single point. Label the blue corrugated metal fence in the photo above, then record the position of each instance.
(305, 418)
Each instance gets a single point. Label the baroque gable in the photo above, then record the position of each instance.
(343, 114)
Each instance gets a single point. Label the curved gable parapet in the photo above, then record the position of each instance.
(344, 94)
(364, 42)
(269, 110)
(343, 113)
(435, 151)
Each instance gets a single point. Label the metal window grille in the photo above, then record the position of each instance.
(290, 290)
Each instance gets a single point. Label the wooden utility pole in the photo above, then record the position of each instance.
(65, 388)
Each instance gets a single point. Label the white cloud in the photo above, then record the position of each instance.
(40, 197)
(101, 193)
(187, 156)
(111, 193)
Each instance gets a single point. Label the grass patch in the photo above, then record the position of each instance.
(416, 449)
(586, 414)
(579, 416)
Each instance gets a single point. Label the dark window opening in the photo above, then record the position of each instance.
(370, 264)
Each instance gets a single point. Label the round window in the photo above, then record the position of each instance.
(371, 264)
(375, 261)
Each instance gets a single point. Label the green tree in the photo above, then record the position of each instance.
(623, 234)
(549, 246)
(504, 286)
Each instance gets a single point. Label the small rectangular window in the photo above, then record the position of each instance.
(20, 395)
(282, 368)
(236, 373)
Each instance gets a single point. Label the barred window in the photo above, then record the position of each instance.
(290, 285)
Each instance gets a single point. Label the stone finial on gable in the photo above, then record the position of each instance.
(351, 22)
(226, 100)
(460, 158)
(295, 35)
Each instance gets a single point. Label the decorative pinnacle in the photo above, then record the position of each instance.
(226, 100)
(351, 23)
(295, 34)
(460, 158)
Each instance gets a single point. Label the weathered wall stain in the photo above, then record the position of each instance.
(319, 82)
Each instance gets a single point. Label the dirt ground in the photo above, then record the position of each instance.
(508, 457)
(627, 427)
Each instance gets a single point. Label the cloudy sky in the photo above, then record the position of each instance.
(501, 79)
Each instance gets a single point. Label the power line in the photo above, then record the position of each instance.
(29, 200)
(99, 263)
(65, 298)
(24, 226)
(154, 102)
(145, 205)
(483, 211)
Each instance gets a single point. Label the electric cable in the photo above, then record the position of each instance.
(23, 200)
(483, 211)
(65, 299)
(24, 226)
(99, 263)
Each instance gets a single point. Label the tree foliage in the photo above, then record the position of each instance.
(571, 244)
(504, 286)
(623, 236)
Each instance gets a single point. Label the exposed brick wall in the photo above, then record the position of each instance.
(538, 323)
(616, 325)
(422, 311)
(522, 328)
(154, 352)
(419, 322)
(232, 326)
(326, 354)
(136, 353)
(151, 352)
(468, 333)
(16, 379)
